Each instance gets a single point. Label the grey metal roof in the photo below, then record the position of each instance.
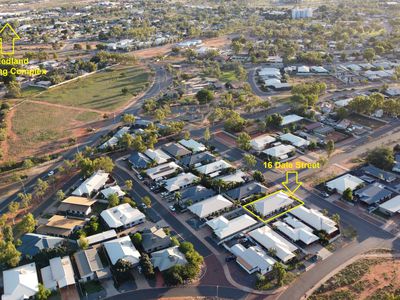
(373, 193)
(246, 190)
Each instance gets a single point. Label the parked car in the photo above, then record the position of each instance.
(172, 208)
(230, 258)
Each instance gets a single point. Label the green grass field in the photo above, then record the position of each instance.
(101, 91)
(228, 76)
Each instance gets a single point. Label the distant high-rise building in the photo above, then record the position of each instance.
(302, 13)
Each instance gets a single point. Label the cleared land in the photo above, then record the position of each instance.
(368, 278)
(101, 91)
(34, 126)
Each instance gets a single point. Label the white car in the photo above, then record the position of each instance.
(172, 208)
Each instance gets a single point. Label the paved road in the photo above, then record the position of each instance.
(205, 291)
(162, 81)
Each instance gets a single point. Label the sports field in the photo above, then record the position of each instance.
(101, 91)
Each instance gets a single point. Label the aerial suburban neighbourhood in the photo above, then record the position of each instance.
(200, 149)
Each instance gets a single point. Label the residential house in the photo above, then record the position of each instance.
(209, 206)
(274, 203)
(224, 228)
(101, 237)
(253, 259)
(294, 140)
(33, 243)
(167, 258)
(344, 182)
(162, 171)
(213, 169)
(58, 274)
(158, 156)
(280, 152)
(315, 219)
(155, 239)
(197, 159)
(391, 206)
(112, 190)
(296, 234)
(60, 226)
(193, 145)
(243, 192)
(89, 265)
(269, 239)
(373, 193)
(379, 174)
(20, 282)
(139, 160)
(93, 184)
(176, 150)
(290, 119)
(181, 181)
(237, 177)
(261, 142)
(122, 216)
(80, 206)
(196, 193)
(122, 248)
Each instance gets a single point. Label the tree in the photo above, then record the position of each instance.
(28, 223)
(128, 119)
(147, 201)
(124, 91)
(243, 141)
(122, 269)
(207, 135)
(369, 54)
(129, 184)
(204, 96)
(113, 200)
(234, 122)
(8, 234)
(348, 194)
(25, 199)
(14, 89)
(381, 157)
(177, 197)
(174, 241)
(273, 121)
(186, 135)
(280, 273)
(258, 176)
(336, 218)
(9, 255)
(43, 293)
(104, 163)
(60, 195)
(28, 164)
(147, 266)
(137, 239)
(330, 147)
(250, 161)
(83, 242)
(13, 208)
(41, 187)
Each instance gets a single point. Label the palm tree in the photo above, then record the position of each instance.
(177, 197)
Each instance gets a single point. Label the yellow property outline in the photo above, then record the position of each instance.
(278, 215)
(16, 37)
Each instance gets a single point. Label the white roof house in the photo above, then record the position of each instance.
(238, 176)
(294, 140)
(344, 182)
(260, 143)
(58, 274)
(291, 119)
(253, 259)
(296, 234)
(193, 145)
(92, 184)
(157, 155)
(319, 69)
(272, 203)
(116, 189)
(391, 206)
(162, 170)
(211, 205)
(180, 181)
(270, 72)
(122, 215)
(303, 69)
(343, 102)
(102, 236)
(167, 258)
(214, 167)
(122, 248)
(20, 283)
(315, 219)
(223, 228)
(269, 239)
(280, 151)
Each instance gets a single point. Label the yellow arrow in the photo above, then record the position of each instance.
(286, 183)
(8, 30)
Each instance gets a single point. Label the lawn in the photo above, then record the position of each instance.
(101, 91)
(35, 125)
(228, 76)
